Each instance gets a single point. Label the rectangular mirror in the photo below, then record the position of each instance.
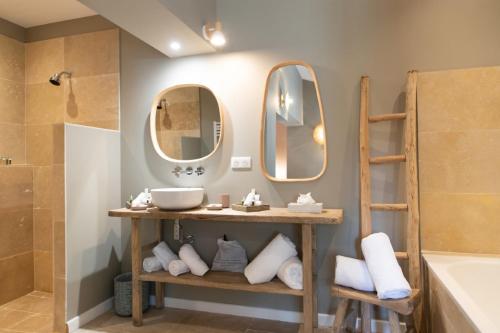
(293, 138)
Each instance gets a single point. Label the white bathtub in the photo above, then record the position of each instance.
(473, 282)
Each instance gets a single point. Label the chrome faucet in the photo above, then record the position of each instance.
(200, 170)
(5, 160)
(188, 171)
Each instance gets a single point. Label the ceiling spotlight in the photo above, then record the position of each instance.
(214, 34)
(176, 46)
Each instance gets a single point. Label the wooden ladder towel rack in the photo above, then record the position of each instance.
(409, 305)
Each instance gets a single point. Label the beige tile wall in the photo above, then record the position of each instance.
(459, 159)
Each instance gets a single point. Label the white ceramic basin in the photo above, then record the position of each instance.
(177, 198)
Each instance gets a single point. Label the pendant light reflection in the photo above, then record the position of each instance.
(214, 34)
(319, 134)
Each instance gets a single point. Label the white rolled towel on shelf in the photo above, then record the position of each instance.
(384, 268)
(267, 263)
(353, 273)
(151, 264)
(164, 254)
(291, 273)
(196, 265)
(177, 267)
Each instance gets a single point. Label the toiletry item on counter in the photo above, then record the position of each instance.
(164, 254)
(267, 263)
(383, 266)
(291, 273)
(224, 200)
(353, 273)
(177, 267)
(214, 206)
(305, 204)
(196, 265)
(151, 264)
(249, 199)
(142, 201)
(230, 256)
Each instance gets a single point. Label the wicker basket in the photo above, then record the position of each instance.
(123, 295)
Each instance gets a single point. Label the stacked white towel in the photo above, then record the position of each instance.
(383, 266)
(353, 273)
(291, 273)
(164, 254)
(267, 263)
(151, 264)
(196, 265)
(177, 267)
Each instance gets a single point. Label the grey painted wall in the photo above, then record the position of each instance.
(342, 40)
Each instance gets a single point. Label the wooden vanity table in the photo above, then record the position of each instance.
(226, 280)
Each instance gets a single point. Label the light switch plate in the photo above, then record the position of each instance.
(241, 163)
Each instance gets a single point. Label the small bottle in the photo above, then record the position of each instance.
(224, 200)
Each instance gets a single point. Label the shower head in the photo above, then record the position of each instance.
(56, 78)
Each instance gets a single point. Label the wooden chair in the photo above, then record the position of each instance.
(409, 305)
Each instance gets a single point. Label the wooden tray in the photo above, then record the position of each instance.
(249, 209)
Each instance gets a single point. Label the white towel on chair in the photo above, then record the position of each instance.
(291, 273)
(196, 265)
(267, 263)
(177, 267)
(164, 254)
(384, 268)
(353, 273)
(151, 264)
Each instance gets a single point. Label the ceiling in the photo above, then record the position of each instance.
(30, 13)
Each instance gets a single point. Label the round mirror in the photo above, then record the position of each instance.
(293, 134)
(186, 123)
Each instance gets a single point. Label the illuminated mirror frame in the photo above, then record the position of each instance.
(152, 124)
(263, 124)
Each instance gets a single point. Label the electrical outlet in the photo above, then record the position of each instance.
(241, 163)
(177, 230)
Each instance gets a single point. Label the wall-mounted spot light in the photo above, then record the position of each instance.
(319, 134)
(176, 46)
(214, 34)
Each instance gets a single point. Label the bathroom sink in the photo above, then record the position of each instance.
(177, 198)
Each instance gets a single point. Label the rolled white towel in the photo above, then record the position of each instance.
(151, 264)
(164, 254)
(177, 267)
(267, 263)
(384, 269)
(196, 265)
(353, 273)
(291, 273)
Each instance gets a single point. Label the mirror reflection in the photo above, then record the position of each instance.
(187, 123)
(293, 129)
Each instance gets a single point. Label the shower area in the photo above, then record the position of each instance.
(45, 84)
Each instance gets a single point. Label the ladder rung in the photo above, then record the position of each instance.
(384, 117)
(388, 206)
(401, 255)
(388, 159)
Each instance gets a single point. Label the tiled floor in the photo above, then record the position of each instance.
(27, 314)
(182, 321)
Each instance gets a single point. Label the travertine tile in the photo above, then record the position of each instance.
(42, 229)
(43, 263)
(58, 143)
(36, 323)
(44, 104)
(12, 59)
(92, 99)
(19, 281)
(458, 100)
(92, 53)
(59, 305)
(59, 249)
(13, 142)
(32, 304)
(10, 318)
(16, 230)
(39, 140)
(43, 59)
(11, 102)
(58, 205)
(17, 187)
(42, 187)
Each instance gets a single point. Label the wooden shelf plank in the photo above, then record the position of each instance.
(401, 255)
(387, 159)
(389, 206)
(274, 215)
(222, 280)
(385, 117)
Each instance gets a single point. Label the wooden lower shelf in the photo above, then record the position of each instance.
(222, 280)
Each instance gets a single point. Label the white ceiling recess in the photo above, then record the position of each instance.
(152, 22)
(31, 13)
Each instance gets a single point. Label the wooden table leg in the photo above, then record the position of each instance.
(309, 299)
(159, 286)
(136, 271)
